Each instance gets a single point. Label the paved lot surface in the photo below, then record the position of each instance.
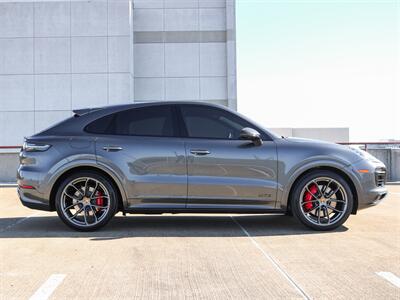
(198, 256)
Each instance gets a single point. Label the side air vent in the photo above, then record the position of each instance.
(380, 177)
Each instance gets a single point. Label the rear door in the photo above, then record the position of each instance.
(143, 147)
(224, 171)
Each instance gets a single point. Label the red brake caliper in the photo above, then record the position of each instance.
(99, 199)
(308, 196)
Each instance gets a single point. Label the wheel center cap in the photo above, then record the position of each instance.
(86, 200)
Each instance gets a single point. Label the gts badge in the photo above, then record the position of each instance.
(264, 195)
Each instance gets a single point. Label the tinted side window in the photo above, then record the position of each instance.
(101, 125)
(146, 121)
(208, 122)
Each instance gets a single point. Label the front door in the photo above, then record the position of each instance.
(224, 171)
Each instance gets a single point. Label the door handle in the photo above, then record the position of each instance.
(112, 148)
(199, 152)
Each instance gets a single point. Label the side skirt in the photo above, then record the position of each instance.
(203, 211)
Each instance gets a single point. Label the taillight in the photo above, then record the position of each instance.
(35, 147)
(26, 187)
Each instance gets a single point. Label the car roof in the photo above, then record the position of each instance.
(82, 111)
(82, 117)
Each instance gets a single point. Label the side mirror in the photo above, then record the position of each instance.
(251, 134)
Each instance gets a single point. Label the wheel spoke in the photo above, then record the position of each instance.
(308, 190)
(70, 196)
(79, 191)
(94, 213)
(77, 213)
(72, 206)
(98, 206)
(327, 214)
(94, 190)
(102, 196)
(336, 200)
(325, 187)
(335, 209)
(319, 215)
(310, 201)
(333, 192)
(319, 190)
(315, 209)
(86, 186)
(84, 216)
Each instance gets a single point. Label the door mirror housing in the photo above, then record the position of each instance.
(251, 134)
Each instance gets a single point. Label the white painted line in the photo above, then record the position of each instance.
(393, 279)
(18, 222)
(47, 288)
(274, 263)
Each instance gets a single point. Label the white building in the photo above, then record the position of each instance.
(56, 56)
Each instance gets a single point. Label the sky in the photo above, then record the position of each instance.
(321, 63)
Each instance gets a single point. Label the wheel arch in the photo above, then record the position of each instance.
(68, 172)
(325, 168)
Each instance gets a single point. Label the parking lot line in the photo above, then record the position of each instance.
(47, 288)
(273, 262)
(19, 222)
(393, 279)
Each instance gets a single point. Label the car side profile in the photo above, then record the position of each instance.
(187, 157)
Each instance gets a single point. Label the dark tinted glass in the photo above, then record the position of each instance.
(146, 121)
(101, 125)
(214, 123)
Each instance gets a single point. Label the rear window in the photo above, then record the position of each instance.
(146, 121)
(101, 125)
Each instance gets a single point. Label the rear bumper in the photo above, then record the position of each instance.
(33, 199)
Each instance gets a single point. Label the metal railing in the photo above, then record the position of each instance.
(10, 147)
(365, 144)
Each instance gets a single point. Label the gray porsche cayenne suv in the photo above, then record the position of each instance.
(185, 157)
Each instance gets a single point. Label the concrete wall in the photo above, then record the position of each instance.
(8, 166)
(335, 135)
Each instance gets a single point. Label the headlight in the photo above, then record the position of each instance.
(363, 154)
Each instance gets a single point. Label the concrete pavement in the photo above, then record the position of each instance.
(199, 256)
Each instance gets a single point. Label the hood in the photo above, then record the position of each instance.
(327, 149)
(304, 140)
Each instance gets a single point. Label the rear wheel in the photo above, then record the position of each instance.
(86, 201)
(322, 200)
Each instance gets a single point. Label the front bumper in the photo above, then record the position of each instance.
(372, 197)
(370, 187)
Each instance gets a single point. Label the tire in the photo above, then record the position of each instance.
(322, 213)
(86, 201)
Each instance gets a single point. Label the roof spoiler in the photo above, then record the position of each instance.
(82, 111)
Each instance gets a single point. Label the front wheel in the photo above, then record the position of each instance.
(322, 200)
(86, 201)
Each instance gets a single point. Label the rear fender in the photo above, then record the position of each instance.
(54, 175)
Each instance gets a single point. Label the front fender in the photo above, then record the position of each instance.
(289, 177)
